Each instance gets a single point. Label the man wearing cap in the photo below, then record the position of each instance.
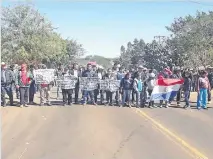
(7, 79)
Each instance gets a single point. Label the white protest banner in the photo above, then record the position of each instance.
(67, 82)
(110, 85)
(89, 83)
(44, 76)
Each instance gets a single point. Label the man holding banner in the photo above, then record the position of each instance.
(90, 83)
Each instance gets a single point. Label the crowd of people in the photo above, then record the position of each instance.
(136, 85)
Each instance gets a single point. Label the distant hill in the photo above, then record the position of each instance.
(100, 60)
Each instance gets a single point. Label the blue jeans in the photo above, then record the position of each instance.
(126, 95)
(202, 98)
(85, 95)
(6, 90)
(186, 96)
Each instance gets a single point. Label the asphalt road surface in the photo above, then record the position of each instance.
(100, 132)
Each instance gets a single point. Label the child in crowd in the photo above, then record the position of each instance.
(187, 88)
(202, 90)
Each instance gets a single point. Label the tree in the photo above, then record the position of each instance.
(28, 36)
(190, 45)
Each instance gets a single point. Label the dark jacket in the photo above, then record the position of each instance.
(9, 78)
(187, 84)
(126, 84)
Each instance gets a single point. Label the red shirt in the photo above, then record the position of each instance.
(24, 78)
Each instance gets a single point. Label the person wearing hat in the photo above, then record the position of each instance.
(23, 81)
(7, 79)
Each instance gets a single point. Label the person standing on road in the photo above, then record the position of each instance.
(45, 92)
(126, 88)
(109, 94)
(23, 81)
(96, 91)
(89, 73)
(32, 88)
(187, 88)
(210, 78)
(137, 89)
(77, 73)
(176, 75)
(151, 81)
(7, 79)
(66, 92)
(59, 72)
(202, 90)
(162, 75)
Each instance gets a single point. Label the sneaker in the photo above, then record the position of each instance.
(26, 105)
(70, 104)
(95, 104)
(205, 108)
(186, 106)
(150, 107)
(111, 104)
(167, 106)
(154, 106)
(137, 106)
(21, 106)
(31, 103)
(64, 104)
(160, 106)
(178, 104)
(49, 104)
(209, 102)
(198, 108)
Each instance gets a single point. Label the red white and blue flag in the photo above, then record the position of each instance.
(166, 89)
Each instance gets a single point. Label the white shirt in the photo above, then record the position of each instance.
(75, 73)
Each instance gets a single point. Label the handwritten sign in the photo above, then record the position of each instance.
(67, 82)
(110, 85)
(89, 83)
(44, 76)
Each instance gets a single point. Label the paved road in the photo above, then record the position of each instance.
(98, 132)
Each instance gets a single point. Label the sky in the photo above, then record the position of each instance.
(102, 27)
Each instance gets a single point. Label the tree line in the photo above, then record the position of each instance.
(189, 45)
(28, 36)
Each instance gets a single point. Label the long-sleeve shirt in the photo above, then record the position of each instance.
(126, 84)
(203, 82)
(187, 84)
